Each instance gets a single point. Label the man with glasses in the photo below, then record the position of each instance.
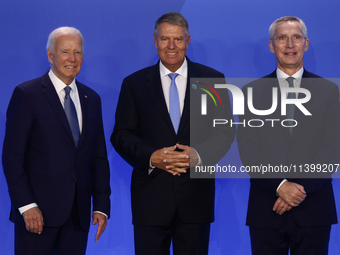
(289, 211)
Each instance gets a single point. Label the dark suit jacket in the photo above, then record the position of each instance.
(40, 160)
(315, 140)
(143, 125)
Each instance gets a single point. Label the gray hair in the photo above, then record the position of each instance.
(54, 35)
(174, 18)
(272, 27)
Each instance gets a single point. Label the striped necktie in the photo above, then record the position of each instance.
(71, 114)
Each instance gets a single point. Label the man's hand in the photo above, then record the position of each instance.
(281, 206)
(34, 220)
(191, 153)
(170, 160)
(102, 223)
(292, 193)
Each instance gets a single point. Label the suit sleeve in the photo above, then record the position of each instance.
(19, 124)
(251, 153)
(125, 138)
(329, 152)
(101, 172)
(220, 137)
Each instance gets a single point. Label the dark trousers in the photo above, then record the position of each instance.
(188, 239)
(68, 239)
(299, 240)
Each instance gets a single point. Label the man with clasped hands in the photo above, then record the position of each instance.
(291, 212)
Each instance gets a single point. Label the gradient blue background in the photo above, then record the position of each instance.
(230, 36)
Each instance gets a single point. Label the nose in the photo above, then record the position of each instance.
(290, 42)
(171, 44)
(72, 57)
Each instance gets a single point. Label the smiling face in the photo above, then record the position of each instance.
(289, 55)
(66, 57)
(171, 42)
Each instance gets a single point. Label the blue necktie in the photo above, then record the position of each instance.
(71, 114)
(174, 108)
(290, 107)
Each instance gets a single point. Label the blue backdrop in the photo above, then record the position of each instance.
(230, 36)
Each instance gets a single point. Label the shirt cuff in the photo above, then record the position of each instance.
(101, 213)
(27, 207)
(199, 163)
(283, 181)
(151, 167)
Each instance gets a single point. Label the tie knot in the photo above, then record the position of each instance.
(67, 90)
(173, 76)
(290, 82)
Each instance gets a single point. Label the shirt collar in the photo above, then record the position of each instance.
(59, 85)
(183, 70)
(281, 75)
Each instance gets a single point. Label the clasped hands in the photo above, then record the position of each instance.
(175, 159)
(291, 195)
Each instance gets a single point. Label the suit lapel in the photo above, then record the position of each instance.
(192, 73)
(298, 115)
(271, 83)
(84, 110)
(53, 99)
(156, 94)
(308, 83)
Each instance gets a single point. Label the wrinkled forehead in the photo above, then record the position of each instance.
(72, 39)
(288, 27)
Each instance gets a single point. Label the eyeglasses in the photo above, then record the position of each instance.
(283, 39)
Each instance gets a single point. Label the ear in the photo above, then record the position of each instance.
(188, 40)
(155, 40)
(271, 46)
(307, 44)
(49, 56)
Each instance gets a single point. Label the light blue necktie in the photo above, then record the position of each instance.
(174, 108)
(71, 114)
(290, 107)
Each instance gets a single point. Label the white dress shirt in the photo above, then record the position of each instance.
(181, 82)
(282, 77)
(59, 88)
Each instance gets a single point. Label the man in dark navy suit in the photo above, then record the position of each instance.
(166, 203)
(54, 155)
(291, 211)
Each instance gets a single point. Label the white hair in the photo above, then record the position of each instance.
(272, 28)
(54, 35)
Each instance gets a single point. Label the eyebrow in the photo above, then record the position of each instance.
(292, 34)
(65, 49)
